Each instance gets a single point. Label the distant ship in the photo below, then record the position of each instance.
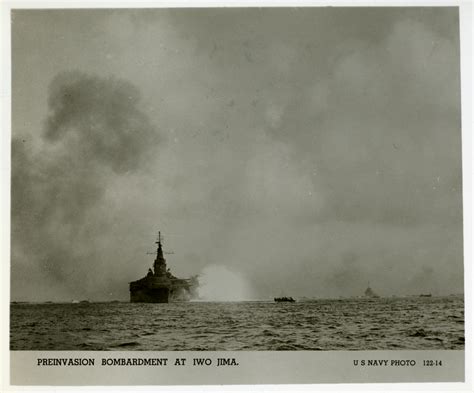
(284, 299)
(160, 286)
(369, 292)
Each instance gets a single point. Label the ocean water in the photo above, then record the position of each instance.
(346, 324)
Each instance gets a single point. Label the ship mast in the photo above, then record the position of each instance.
(159, 251)
(160, 262)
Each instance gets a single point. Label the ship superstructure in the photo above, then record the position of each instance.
(159, 285)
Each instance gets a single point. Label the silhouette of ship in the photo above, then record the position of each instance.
(159, 285)
(369, 292)
(284, 299)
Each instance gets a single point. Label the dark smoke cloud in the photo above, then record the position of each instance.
(109, 128)
(95, 132)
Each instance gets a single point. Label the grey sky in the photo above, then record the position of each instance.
(307, 150)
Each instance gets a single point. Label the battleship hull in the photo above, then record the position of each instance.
(155, 290)
(150, 295)
(150, 290)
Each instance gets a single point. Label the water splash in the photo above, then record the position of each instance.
(219, 284)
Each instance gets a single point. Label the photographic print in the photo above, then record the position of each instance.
(236, 180)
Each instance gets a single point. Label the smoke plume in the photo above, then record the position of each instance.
(94, 133)
(219, 284)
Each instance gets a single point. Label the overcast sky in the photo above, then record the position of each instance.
(308, 151)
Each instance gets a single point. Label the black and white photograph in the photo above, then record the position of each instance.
(284, 179)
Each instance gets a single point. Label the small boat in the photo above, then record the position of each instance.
(284, 299)
(425, 295)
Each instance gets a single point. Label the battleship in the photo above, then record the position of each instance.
(159, 285)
